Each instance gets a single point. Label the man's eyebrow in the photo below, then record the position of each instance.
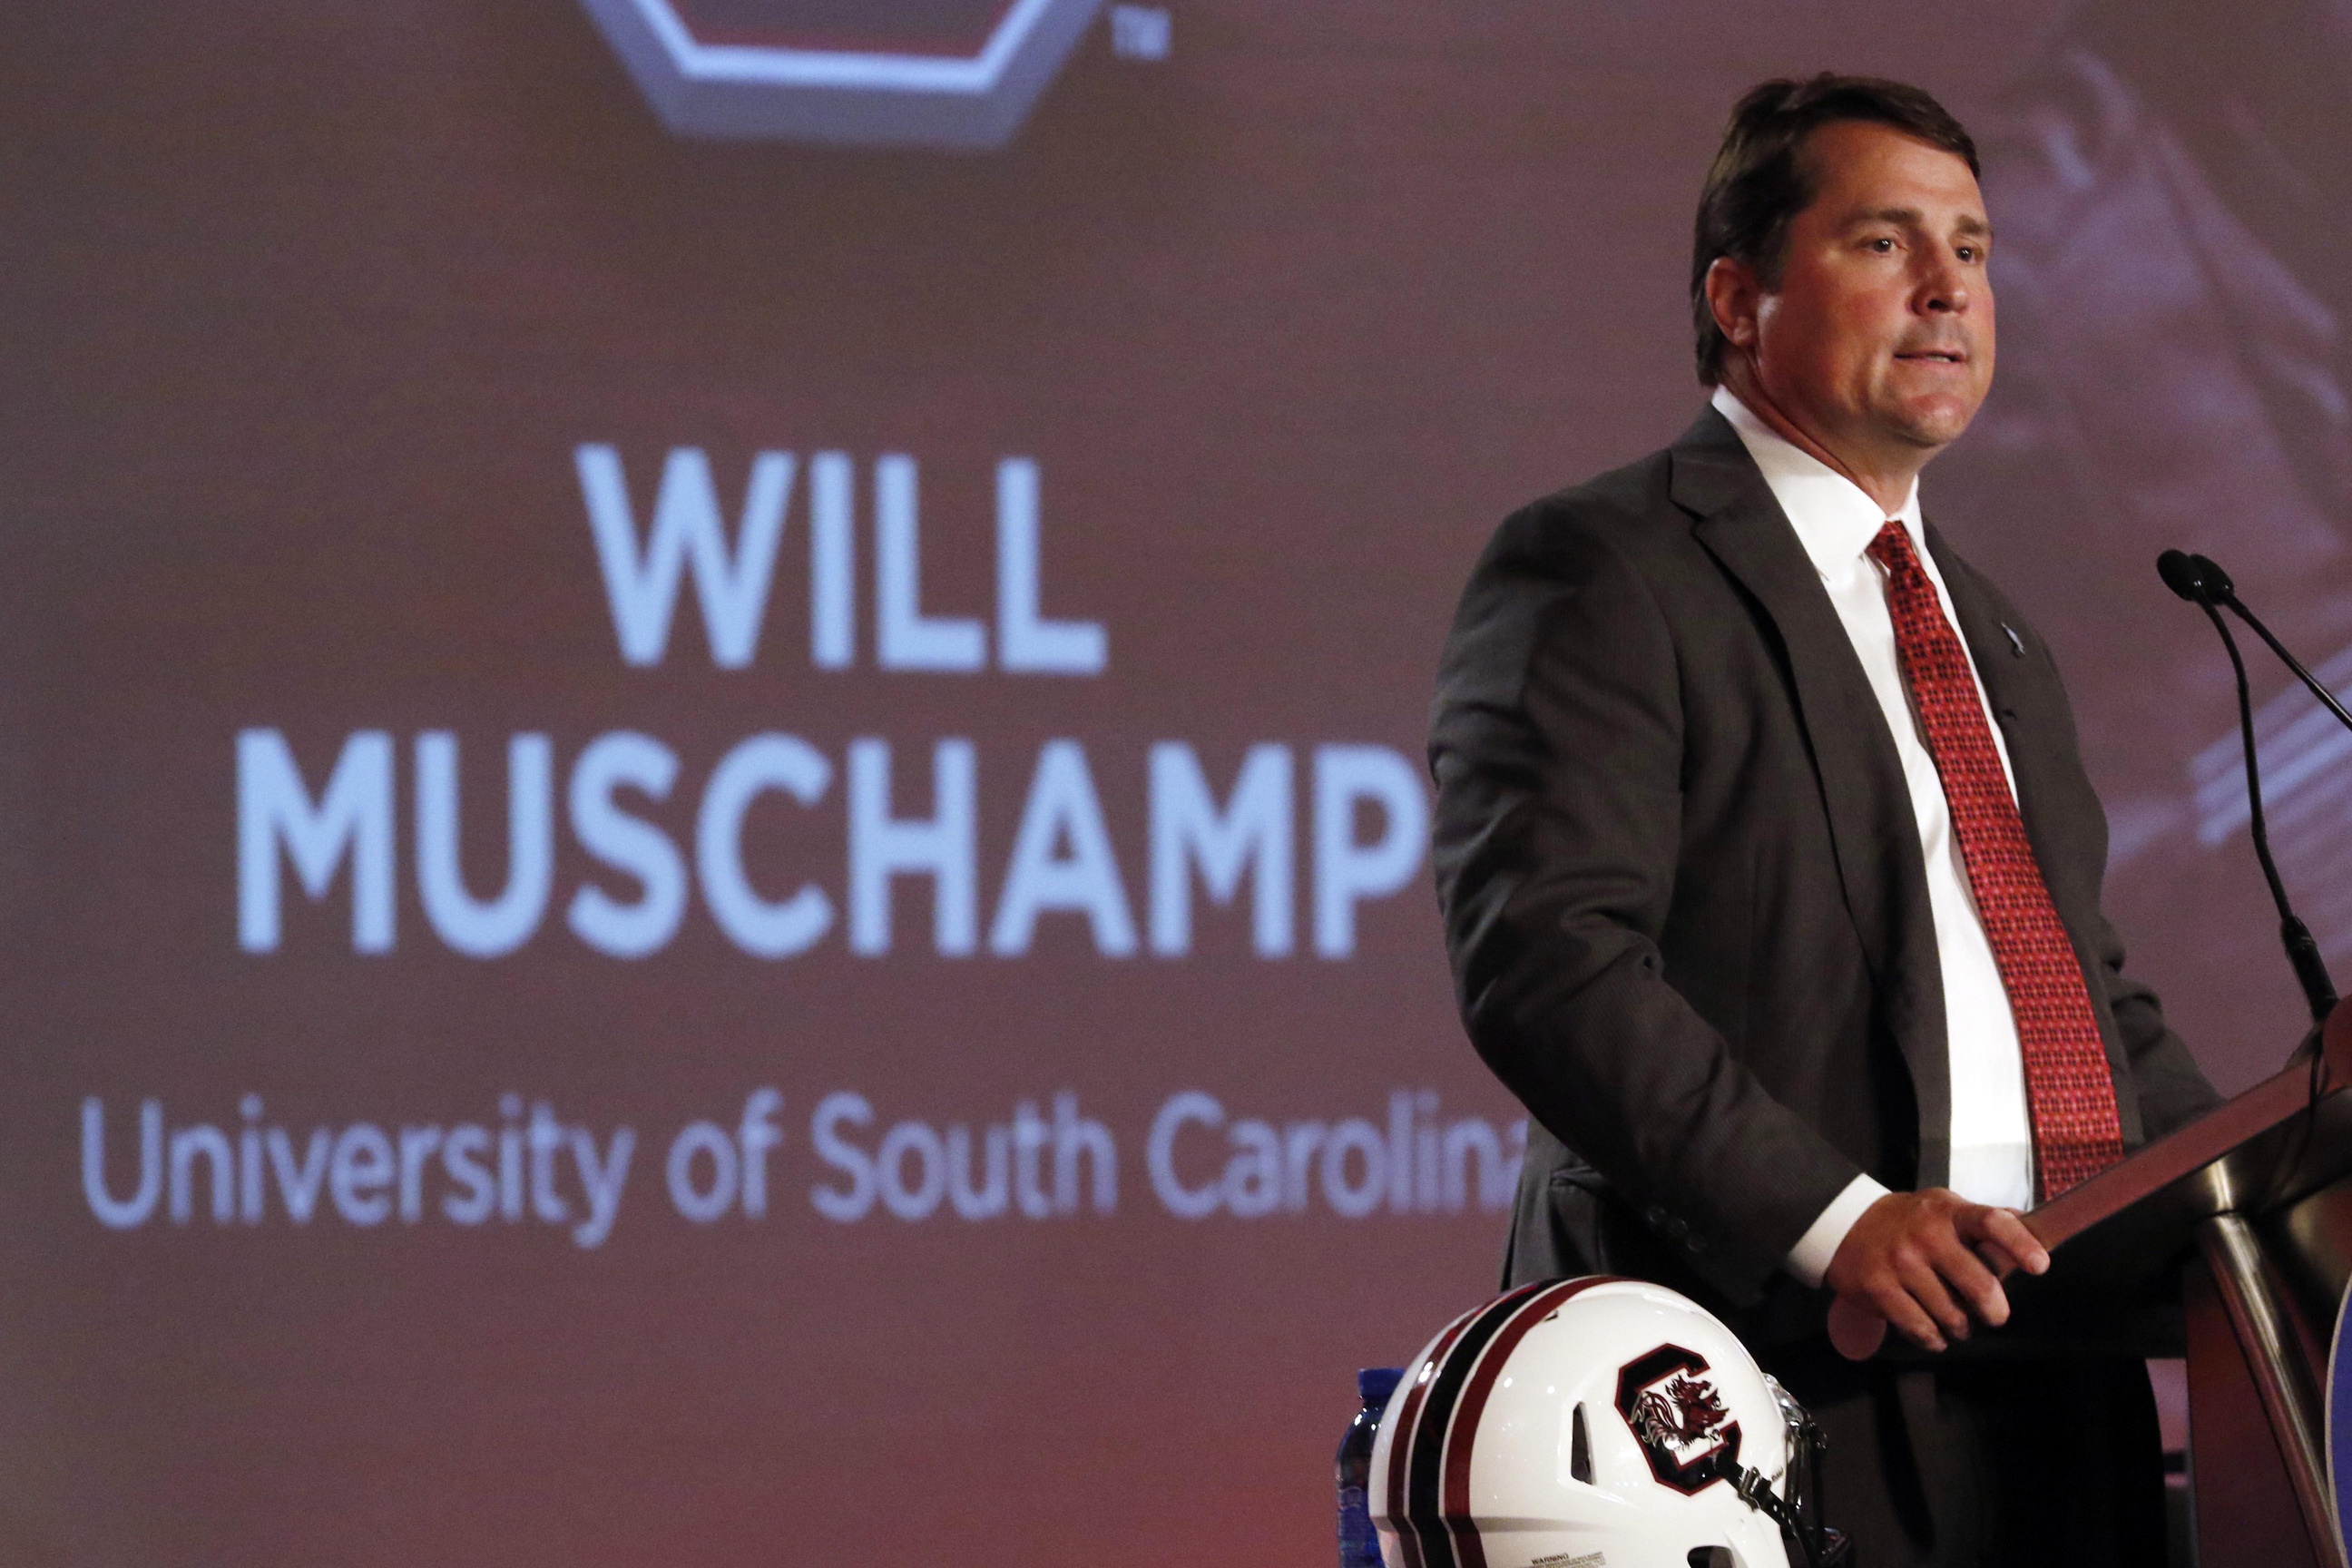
(1912, 217)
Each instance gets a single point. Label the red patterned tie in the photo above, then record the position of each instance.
(2068, 1089)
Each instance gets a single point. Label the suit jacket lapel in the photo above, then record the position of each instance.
(1875, 834)
(1996, 661)
(1990, 649)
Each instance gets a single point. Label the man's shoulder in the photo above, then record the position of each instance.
(1628, 510)
(1643, 510)
(1606, 558)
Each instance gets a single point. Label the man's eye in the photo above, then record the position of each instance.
(1882, 245)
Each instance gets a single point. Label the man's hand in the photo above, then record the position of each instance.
(1928, 1262)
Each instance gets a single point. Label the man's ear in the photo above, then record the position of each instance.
(1734, 294)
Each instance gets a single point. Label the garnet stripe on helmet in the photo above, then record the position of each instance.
(1422, 1522)
(1400, 1439)
(1455, 1492)
(1430, 1532)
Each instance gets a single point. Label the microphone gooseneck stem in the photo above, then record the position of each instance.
(2326, 697)
(2302, 952)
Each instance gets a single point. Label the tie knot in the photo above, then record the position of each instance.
(1892, 548)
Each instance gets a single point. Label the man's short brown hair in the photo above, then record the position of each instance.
(1760, 179)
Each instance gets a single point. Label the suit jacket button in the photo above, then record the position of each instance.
(1656, 1215)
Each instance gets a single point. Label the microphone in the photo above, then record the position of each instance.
(2207, 575)
(2202, 582)
(2184, 576)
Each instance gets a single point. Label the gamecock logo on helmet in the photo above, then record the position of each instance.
(1676, 1415)
(1680, 1412)
(938, 73)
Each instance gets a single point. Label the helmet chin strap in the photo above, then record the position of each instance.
(1822, 1547)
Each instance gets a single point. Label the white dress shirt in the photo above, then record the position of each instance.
(1992, 1132)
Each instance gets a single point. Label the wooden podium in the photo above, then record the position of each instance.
(2256, 1201)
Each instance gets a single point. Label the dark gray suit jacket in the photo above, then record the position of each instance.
(1683, 888)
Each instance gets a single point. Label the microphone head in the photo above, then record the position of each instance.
(2184, 574)
(2217, 581)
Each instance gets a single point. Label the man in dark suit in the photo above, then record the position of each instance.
(1770, 873)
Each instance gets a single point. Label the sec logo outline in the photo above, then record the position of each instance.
(917, 73)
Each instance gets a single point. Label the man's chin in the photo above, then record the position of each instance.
(1933, 427)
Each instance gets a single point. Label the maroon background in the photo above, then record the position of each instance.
(301, 313)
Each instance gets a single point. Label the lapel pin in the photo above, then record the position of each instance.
(2016, 642)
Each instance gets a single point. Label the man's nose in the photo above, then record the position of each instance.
(1943, 287)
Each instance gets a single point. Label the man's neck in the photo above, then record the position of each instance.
(1886, 478)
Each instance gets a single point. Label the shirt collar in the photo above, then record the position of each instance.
(1834, 518)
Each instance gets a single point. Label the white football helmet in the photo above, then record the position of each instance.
(1595, 1423)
